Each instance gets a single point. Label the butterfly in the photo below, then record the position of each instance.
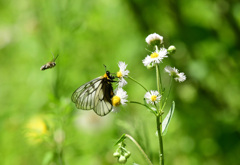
(95, 95)
(50, 64)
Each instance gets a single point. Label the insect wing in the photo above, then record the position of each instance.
(50, 64)
(84, 97)
(54, 58)
(103, 99)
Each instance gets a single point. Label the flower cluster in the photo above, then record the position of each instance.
(154, 100)
(155, 58)
(122, 153)
(159, 54)
(120, 97)
(156, 41)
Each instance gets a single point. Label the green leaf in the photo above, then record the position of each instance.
(121, 139)
(167, 119)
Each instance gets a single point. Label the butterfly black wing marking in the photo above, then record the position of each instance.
(96, 95)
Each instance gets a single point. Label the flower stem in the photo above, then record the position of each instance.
(159, 79)
(137, 82)
(139, 147)
(159, 116)
(136, 102)
(159, 132)
(60, 158)
(159, 85)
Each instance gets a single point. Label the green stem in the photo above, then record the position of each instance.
(160, 77)
(159, 117)
(60, 157)
(159, 83)
(160, 141)
(135, 102)
(140, 148)
(137, 82)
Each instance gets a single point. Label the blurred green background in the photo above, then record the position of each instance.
(40, 125)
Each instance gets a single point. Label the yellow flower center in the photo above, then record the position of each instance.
(116, 101)
(119, 74)
(153, 98)
(154, 55)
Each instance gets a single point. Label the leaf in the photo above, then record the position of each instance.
(167, 119)
(121, 139)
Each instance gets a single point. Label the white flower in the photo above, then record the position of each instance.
(120, 98)
(152, 97)
(122, 73)
(152, 38)
(172, 71)
(181, 77)
(156, 57)
(175, 73)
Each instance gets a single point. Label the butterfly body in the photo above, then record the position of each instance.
(95, 95)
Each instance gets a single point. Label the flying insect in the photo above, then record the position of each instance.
(50, 64)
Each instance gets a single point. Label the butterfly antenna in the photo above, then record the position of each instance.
(105, 67)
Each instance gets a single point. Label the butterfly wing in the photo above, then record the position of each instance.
(95, 95)
(103, 99)
(84, 96)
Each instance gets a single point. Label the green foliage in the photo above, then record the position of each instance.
(87, 34)
(167, 119)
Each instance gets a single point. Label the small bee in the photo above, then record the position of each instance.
(50, 64)
(95, 95)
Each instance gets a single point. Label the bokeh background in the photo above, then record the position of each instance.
(40, 125)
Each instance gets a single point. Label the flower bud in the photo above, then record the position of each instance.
(127, 154)
(116, 154)
(154, 39)
(122, 159)
(171, 49)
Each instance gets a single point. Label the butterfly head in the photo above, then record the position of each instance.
(108, 75)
